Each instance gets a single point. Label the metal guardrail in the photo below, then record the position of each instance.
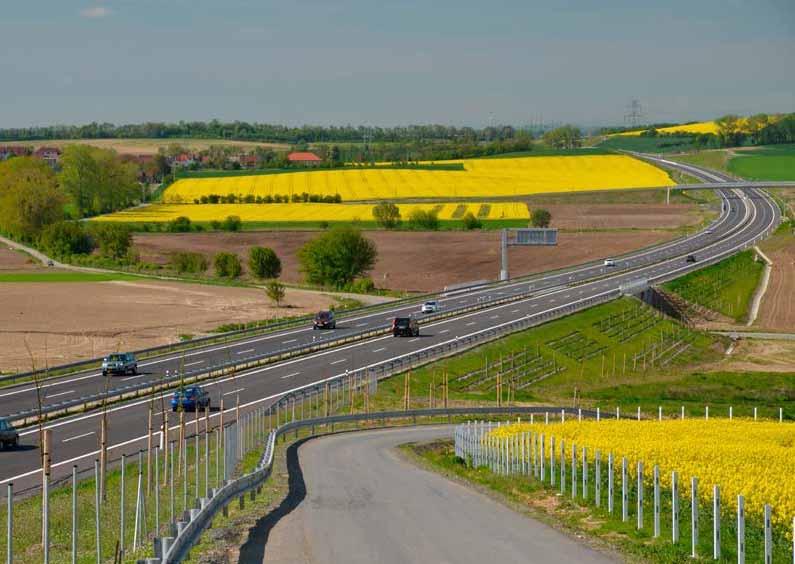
(173, 550)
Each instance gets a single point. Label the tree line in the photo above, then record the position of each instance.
(247, 131)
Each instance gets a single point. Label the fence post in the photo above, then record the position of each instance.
(598, 477)
(640, 495)
(573, 471)
(768, 535)
(693, 516)
(740, 529)
(656, 501)
(716, 522)
(610, 479)
(45, 494)
(624, 492)
(10, 524)
(74, 514)
(674, 508)
(585, 473)
(97, 513)
(121, 504)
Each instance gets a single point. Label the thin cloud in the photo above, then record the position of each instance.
(96, 12)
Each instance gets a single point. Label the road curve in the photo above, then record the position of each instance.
(355, 500)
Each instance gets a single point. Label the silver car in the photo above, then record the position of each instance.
(119, 363)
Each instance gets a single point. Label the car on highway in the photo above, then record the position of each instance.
(610, 262)
(691, 258)
(9, 437)
(119, 363)
(324, 320)
(405, 327)
(431, 306)
(191, 398)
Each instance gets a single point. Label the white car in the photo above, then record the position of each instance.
(610, 262)
(430, 307)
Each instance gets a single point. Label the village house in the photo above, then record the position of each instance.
(304, 158)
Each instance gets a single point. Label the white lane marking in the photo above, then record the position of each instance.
(494, 317)
(411, 341)
(514, 311)
(470, 323)
(444, 331)
(60, 394)
(382, 349)
(233, 391)
(290, 375)
(78, 437)
(361, 324)
(194, 363)
(338, 361)
(131, 377)
(289, 341)
(246, 351)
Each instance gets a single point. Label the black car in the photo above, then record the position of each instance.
(691, 258)
(324, 320)
(9, 438)
(405, 327)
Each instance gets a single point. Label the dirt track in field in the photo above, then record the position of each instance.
(15, 261)
(414, 261)
(777, 311)
(76, 320)
(623, 216)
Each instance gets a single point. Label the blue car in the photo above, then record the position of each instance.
(190, 399)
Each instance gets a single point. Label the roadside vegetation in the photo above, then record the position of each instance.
(726, 287)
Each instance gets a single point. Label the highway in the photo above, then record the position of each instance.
(75, 438)
(390, 511)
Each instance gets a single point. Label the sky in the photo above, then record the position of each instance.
(458, 62)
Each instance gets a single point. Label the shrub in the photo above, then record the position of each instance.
(180, 224)
(113, 239)
(215, 224)
(421, 219)
(361, 286)
(227, 265)
(540, 218)
(387, 215)
(66, 238)
(471, 222)
(337, 257)
(232, 223)
(263, 262)
(184, 261)
(275, 291)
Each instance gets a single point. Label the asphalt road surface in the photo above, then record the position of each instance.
(75, 438)
(354, 499)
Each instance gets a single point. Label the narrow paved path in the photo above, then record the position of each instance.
(354, 500)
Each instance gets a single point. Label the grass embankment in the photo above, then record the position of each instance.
(576, 516)
(726, 287)
(717, 159)
(610, 355)
(64, 277)
(27, 511)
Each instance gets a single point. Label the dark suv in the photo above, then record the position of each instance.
(119, 363)
(324, 320)
(405, 327)
(9, 438)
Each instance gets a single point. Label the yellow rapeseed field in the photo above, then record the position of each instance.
(747, 457)
(310, 212)
(481, 178)
(701, 127)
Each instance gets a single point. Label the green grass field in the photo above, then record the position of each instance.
(62, 276)
(666, 144)
(726, 287)
(776, 162)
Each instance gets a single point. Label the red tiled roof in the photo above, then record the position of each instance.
(303, 156)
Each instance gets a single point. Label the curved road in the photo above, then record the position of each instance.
(387, 511)
(744, 219)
